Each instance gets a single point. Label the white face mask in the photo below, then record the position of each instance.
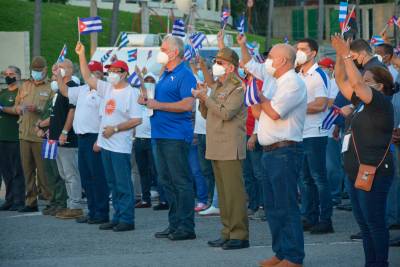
(301, 58)
(149, 86)
(268, 67)
(218, 70)
(62, 72)
(113, 78)
(54, 86)
(162, 58)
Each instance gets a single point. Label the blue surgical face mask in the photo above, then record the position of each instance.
(200, 76)
(37, 75)
(241, 73)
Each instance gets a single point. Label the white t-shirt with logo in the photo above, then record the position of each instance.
(118, 106)
(87, 102)
(317, 83)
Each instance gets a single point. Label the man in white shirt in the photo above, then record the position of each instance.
(120, 113)
(315, 191)
(87, 125)
(281, 117)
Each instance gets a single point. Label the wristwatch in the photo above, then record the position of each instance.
(64, 132)
(116, 130)
(347, 57)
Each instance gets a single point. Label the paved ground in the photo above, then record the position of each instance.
(37, 240)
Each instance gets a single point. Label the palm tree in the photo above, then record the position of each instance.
(37, 28)
(114, 22)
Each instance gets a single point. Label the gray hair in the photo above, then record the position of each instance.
(175, 43)
(16, 70)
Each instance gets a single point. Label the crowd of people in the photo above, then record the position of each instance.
(233, 137)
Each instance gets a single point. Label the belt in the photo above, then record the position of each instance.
(278, 145)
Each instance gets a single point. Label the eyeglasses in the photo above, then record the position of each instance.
(9, 74)
(219, 62)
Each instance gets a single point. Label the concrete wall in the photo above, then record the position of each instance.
(14, 50)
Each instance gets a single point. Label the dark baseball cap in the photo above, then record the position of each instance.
(229, 55)
(38, 63)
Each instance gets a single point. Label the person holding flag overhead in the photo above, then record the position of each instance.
(225, 115)
(120, 113)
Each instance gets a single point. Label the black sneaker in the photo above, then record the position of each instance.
(163, 234)
(356, 237)
(83, 219)
(97, 221)
(29, 209)
(322, 228)
(235, 244)
(395, 242)
(217, 243)
(161, 206)
(16, 207)
(108, 226)
(307, 226)
(122, 227)
(6, 206)
(180, 235)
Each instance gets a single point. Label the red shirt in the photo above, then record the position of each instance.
(251, 121)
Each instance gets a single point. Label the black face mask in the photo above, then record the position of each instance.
(358, 65)
(10, 80)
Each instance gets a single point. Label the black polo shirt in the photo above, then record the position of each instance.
(58, 117)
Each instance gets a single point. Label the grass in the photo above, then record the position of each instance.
(59, 25)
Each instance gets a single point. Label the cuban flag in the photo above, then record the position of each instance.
(240, 28)
(251, 96)
(62, 55)
(351, 23)
(124, 40)
(49, 149)
(343, 6)
(132, 55)
(178, 29)
(397, 50)
(189, 53)
(225, 17)
(286, 40)
(251, 48)
(377, 40)
(197, 40)
(259, 58)
(329, 120)
(89, 25)
(106, 56)
(134, 80)
(392, 21)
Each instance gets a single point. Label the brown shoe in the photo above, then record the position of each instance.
(55, 211)
(286, 263)
(70, 214)
(270, 262)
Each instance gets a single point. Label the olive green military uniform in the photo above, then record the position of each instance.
(30, 143)
(225, 115)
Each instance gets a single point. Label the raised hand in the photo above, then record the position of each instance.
(80, 49)
(241, 39)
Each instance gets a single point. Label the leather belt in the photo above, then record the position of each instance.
(278, 145)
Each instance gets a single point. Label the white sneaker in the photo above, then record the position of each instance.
(211, 211)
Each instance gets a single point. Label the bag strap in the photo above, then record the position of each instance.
(358, 157)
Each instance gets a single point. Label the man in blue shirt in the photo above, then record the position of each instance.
(172, 130)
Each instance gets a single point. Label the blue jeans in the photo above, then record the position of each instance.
(145, 163)
(206, 168)
(92, 178)
(117, 167)
(253, 175)
(200, 181)
(393, 200)
(160, 188)
(174, 172)
(335, 169)
(281, 171)
(316, 194)
(369, 210)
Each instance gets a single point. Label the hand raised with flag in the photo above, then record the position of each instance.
(80, 49)
(241, 39)
(341, 46)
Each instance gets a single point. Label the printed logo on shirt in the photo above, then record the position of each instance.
(110, 107)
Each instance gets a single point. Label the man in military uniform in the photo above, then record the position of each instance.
(225, 115)
(29, 104)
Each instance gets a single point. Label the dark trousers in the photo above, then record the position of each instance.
(145, 163)
(205, 165)
(56, 184)
(11, 171)
(172, 164)
(92, 177)
(369, 209)
(253, 175)
(281, 171)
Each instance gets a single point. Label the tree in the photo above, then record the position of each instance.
(37, 28)
(114, 22)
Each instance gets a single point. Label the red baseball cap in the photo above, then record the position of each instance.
(327, 63)
(118, 64)
(95, 66)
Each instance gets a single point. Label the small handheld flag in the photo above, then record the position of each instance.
(240, 28)
(197, 40)
(132, 55)
(251, 96)
(124, 40)
(343, 6)
(62, 55)
(134, 80)
(149, 54)
(251, 48)
(377, 40)
(329, 120)
(49, 149)
(89, 25)
(225, 17)
(178, 29)
(392, 21)
(189, 53)
(286, 40)
(106, 56)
